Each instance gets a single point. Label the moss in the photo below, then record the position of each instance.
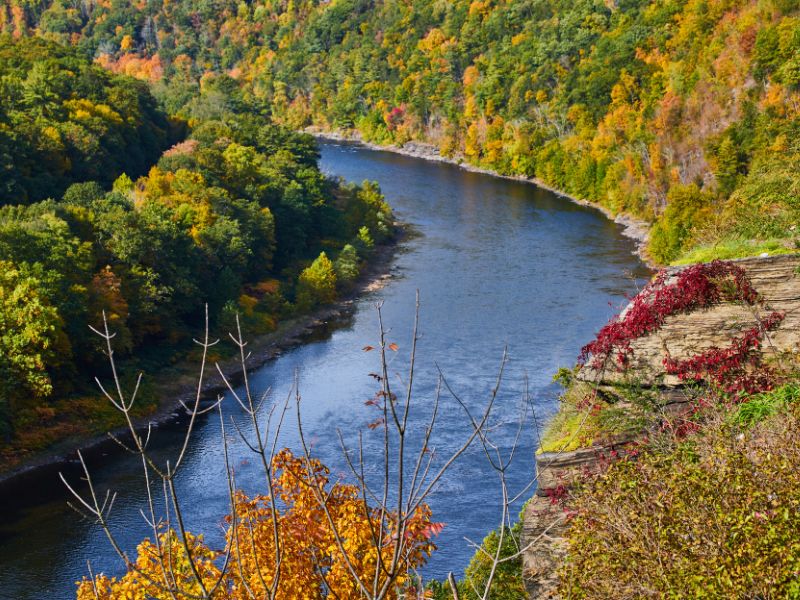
(585, 419)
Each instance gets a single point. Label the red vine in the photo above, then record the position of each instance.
(696, 287)
(735, 369)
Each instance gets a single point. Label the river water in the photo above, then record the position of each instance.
(498, 263)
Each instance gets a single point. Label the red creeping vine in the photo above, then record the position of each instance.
(696, 287)
(735, 369)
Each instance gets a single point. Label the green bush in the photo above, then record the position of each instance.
(507, 581)
(717, 518)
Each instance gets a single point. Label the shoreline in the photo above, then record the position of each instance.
(632, 228)
(265, 348)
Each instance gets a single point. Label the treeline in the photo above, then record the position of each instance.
(685, 113)
(237, 216)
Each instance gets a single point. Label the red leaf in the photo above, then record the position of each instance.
(432, 529)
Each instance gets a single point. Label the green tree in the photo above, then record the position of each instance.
(728, 165)
(687, 207)
(346, 265)
(31, 341)
(364, 242)
(317, 283)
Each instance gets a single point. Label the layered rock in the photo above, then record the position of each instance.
(776, 278)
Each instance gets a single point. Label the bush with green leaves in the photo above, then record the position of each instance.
(716, 517)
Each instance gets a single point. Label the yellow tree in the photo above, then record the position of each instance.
(330, 543)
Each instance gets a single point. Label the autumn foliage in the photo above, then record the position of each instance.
(696, 287)
(328, 540)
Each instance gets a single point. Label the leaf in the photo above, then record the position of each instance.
(368, 348)
(393, 347)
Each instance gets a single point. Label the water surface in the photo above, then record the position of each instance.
(498, 264)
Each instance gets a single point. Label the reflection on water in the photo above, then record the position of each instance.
(498, 264)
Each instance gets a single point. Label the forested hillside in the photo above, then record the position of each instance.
(681, 112)
(95, 218)
(57, 124)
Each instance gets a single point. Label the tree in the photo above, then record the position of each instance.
(364, 242)
(346, 265)
(312, 563)
(728, 164)
(687, 207)
(317, 283)
(31, 341)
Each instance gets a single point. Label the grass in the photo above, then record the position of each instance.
(585, 419)
(758, 407)
(735, 248)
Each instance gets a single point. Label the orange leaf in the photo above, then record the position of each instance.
(393, 347)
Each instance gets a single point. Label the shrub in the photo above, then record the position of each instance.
(717, 518)
(507, 582)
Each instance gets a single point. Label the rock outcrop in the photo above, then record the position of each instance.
(776, 278)
(682, 336)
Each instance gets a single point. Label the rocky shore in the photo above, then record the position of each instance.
(635, 229)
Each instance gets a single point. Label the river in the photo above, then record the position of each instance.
(498, 263)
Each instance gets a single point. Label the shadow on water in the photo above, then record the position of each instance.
(498, 263)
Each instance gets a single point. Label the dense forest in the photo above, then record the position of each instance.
(99, 214)
(153, 167)
(684, 113)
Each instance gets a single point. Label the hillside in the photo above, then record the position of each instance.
(100, 217)
(671, 469)
(682, 113)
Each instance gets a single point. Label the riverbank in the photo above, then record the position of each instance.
(179, 385)
(635, 229)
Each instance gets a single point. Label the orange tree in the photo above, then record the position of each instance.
(329, 543)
